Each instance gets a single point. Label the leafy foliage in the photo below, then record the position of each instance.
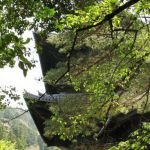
(106, 44)
(7, 145)
(20, 131)
(118, 57)
(15, 19)
(137, 140)
(68, 120)
(89, 15)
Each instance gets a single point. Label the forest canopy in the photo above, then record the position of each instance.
(105, 44)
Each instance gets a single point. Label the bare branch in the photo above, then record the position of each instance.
(69, 58)
(134, 100)
(17, 116)
(111, 28)
(103, 128)
(147, 96)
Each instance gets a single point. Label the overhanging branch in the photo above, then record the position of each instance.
(111, 15)
(106, 18)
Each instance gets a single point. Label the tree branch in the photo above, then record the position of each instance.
(147, 96)
(106, 18)
(111, 15)
(69, 58)
(17, 116)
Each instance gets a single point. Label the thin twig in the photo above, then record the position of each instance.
(147, 96)
(111, 28)
(69, 58)
(103, 128)
(17, 116)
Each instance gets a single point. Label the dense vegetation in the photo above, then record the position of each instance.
(105, 45)
(20, 131)
(6, 145)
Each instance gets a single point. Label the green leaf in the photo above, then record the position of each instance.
(21, 66)
(27, 41)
